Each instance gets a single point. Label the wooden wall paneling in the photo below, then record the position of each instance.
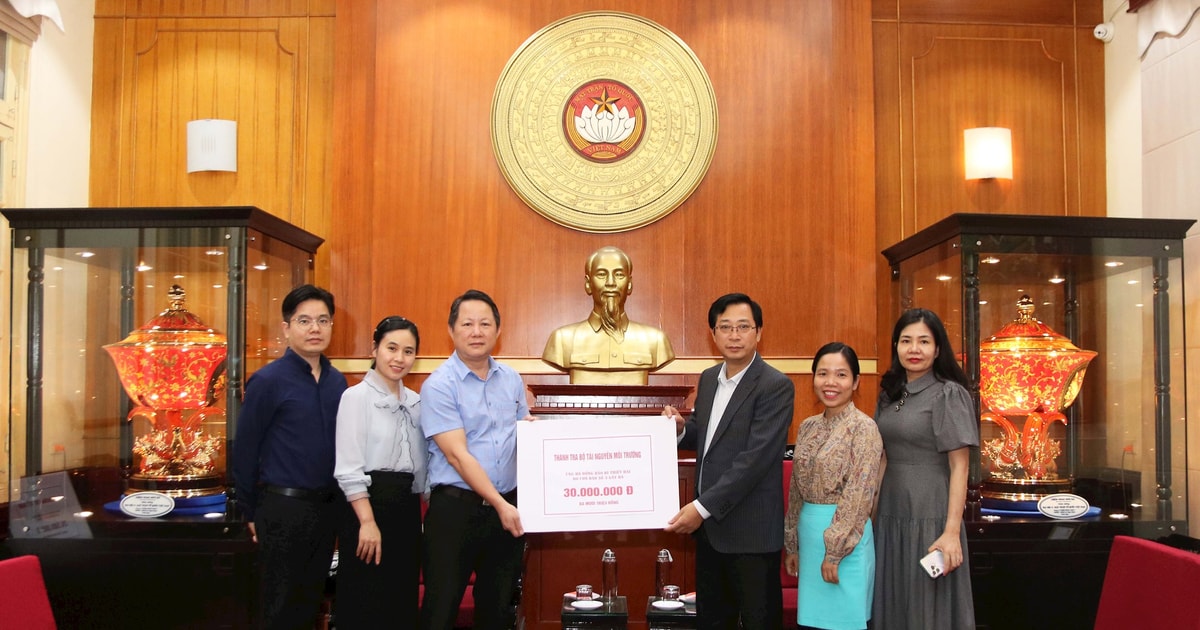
(925, 97)
(854, 302)
(424, 213)
(110, 8)
(213, 8)
(885, 10)
(891, 195)
(790, 166)
(154, 136)
(900, 25)
(771, 216)
(779, 182)
(352, 154)
(439, 220)
(154, 75)
(314, 137)
(739, 233)
(443, 216)
(1017, 12)
(111, 68)
(966, 77)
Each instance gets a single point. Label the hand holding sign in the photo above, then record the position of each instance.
(581, 473)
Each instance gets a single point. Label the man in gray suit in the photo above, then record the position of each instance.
(739, 431)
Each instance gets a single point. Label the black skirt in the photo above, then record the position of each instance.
(381, 595)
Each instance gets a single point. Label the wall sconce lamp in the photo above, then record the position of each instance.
(988, 153)
(212, 145)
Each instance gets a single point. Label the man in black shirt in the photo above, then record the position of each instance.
(283, 460)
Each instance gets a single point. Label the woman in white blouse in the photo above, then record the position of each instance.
(381, 468)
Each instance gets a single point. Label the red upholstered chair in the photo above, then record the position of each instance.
(790, 585)
(1149, 585)
(23, 600)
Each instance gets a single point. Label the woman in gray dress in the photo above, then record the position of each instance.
(928, 424)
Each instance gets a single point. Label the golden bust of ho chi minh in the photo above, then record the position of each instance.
(607, 348)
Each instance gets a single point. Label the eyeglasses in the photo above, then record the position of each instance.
(726, 329)
(305, 322)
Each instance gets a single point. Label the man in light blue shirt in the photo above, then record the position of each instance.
(471, 408)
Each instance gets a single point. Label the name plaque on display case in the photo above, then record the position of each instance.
(147, 504)
(47, 508)
(1063, 505)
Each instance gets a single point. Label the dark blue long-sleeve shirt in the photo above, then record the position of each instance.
(286, 429)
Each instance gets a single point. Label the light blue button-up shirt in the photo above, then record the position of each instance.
(453, 397)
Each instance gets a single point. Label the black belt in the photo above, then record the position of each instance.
(391, 475)
(471, 496)
(391, 485)
(316, 496)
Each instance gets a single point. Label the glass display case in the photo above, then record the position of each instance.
(1070, 330)
(133, 331)
(174, 307)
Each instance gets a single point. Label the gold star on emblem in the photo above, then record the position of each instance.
(605, 102)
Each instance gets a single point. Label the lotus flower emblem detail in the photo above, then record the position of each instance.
(604, 120)
(600, 124)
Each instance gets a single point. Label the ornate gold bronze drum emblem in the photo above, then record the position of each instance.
(604, 122)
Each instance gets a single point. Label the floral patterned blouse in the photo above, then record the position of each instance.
(836, 461)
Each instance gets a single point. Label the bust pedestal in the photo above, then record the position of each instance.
(557, 561)
(609, 400)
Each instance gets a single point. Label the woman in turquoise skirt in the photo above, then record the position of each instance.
(834, 477)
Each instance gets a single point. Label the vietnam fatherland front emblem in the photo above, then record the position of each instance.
(604, 121)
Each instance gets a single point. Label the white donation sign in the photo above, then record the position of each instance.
(586, 473)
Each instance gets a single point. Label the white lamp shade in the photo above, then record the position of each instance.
(988, 153)
(212, 145)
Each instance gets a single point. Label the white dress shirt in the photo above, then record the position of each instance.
(725, 388)
(378, 431)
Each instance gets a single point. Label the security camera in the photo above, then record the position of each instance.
(1103, 32)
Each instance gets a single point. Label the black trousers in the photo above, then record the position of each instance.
(381, 595)
(464, 535)
(295, 550)
(730, 587)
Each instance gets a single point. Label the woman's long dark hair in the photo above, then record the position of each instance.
(395, 322)
(945, 368)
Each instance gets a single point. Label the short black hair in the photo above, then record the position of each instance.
(729, 299)
(302, 294)
(473, 294)
(837, 347)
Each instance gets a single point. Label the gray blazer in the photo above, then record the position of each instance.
(741, 472)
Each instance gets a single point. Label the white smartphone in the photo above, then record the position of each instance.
(934, 564)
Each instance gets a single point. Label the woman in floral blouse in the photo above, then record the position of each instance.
(834, 477)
